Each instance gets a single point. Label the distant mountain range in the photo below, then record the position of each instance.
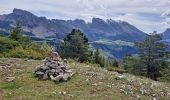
(166, 35)
(113, 38)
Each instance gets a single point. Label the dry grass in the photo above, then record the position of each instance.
(88, 83)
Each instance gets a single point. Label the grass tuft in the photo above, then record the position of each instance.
(10, 86)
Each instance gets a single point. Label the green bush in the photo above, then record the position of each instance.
(16, 45)
(165, 75)
(7, 44)
(34, 51)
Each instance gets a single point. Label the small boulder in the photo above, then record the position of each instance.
(10, 79)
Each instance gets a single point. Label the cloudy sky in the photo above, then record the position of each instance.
(147, 15)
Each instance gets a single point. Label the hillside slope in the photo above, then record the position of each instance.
(88, 83)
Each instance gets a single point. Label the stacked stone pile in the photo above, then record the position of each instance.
(54, 68)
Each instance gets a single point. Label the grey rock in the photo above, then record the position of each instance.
(10, 79)
(142, 89)
(119, 77)
(53, 66)
(57, 78)
(45, 76)
(45, 68)
(39, 73)
(47, 63)
(69, 71)
(66, 77)
(54, 69)
(38, 68)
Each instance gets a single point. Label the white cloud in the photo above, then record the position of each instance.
(147, 15)
(166, 14)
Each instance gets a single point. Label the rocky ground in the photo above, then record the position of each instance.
(18, 82)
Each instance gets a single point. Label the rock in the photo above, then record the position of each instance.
(138, 97)
(5, 66)
(45, 68)
(39, 73)
(45, 76)
(66, 77)
(169, 94)
(142, 89)
(70, 95)
(54, 68)
(87, 80)
(119, 77)
(95, 84)
(69, 71)
(123, 91)
(57, 78)
(38, 68)
(154, 98)
(63, 93)
(10, 79)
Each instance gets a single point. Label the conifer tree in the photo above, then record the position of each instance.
(76, 46)
(17, 34)
(153, 55)
(97, 58)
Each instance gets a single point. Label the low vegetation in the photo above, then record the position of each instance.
(16, 45)
(89, 82)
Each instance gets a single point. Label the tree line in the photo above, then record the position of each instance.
(151, 61)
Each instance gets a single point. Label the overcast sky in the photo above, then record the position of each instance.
(147, 15)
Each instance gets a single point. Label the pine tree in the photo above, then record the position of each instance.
(97, 58)
(115, 63)
(16, 34)
(76, 46)
(133, 65)
(153, 55)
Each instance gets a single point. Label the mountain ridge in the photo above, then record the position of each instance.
(166, 34)
(41, 27)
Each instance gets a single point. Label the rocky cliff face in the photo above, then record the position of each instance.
(166, 37)
(55, 29)
(166, 34)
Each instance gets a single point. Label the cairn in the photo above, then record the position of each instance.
(54, 68)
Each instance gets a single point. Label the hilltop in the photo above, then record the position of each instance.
(89, 82)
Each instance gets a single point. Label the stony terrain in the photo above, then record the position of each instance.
(18, 82)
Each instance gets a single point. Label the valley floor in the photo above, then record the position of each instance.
(17, 82)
